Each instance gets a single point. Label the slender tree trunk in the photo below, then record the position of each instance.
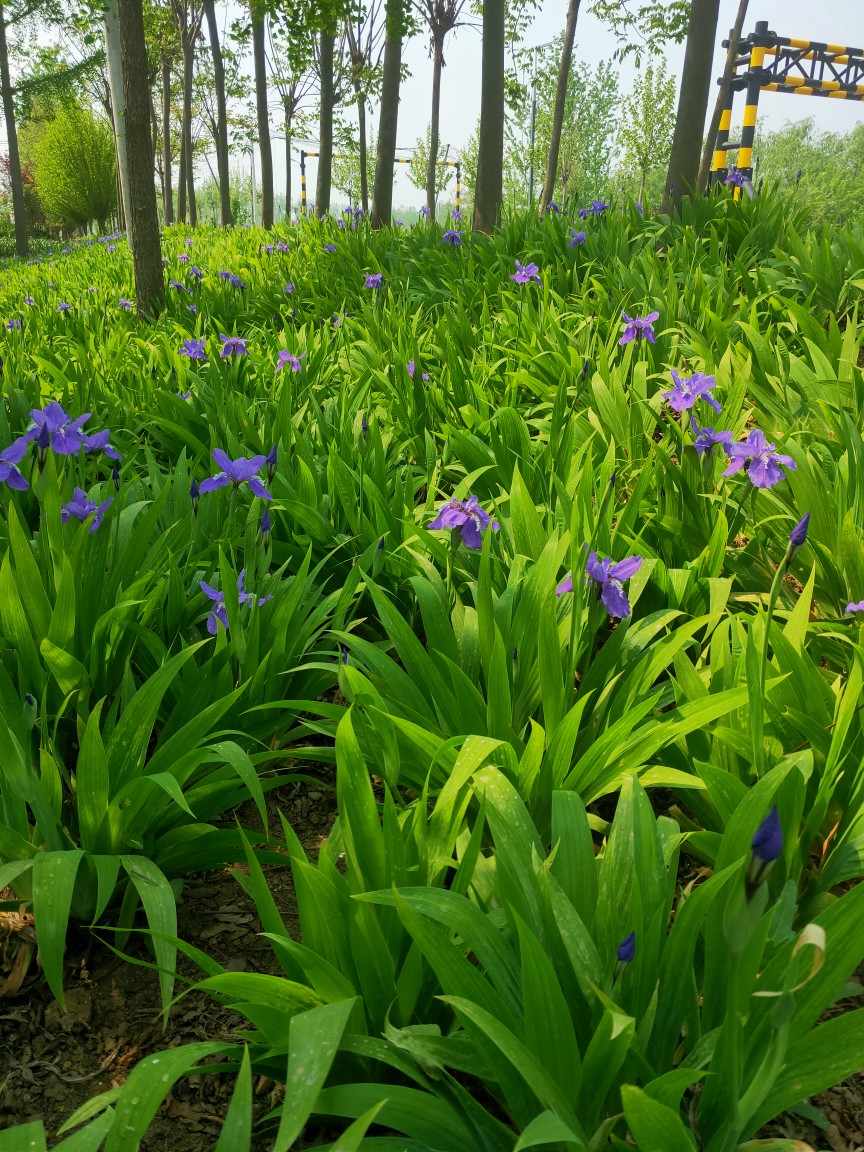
(115, 83)
(434, 127)
(364, 175)
(143, 219)
(708, 152)
(264, 147)
(189, 173)
(167, 193)
(560, 102)
(326, 44)
(221, 117)
(288, 119)
(490, 150)
(391, 74)
(22, 244)
(683, 171)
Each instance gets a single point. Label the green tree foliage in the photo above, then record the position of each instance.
(646, 127)
(74, 168)
(419, 163)
(831, 166)
(585, 159)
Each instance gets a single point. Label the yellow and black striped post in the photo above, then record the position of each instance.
(718, 166)
(458, 185)
(760, 41)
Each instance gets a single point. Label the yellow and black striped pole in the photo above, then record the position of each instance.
(718, 167)
(760, 41)
(302, 183)
(458, 185)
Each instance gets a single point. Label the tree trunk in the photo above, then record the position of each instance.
(434, 127)
(143, 219)
(188, 167)
(560, 102)
(221, 117)
(288, 119)
(692, 102)
(490, 150)
(168, 194)
(22, 244)
(115, 83)
(364, 175)
(391, 74)
(264, 148)
(326, 45)
(708, 152)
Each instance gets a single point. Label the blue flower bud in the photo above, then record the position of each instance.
(271, 462)
(265, 528)
(798, 536)
(627, 948)
(115, 476)
(766, 846)
(30, 712)
(193, 495)
(381, 544)
(343, 655)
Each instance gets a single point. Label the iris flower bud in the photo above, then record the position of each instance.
(765, 847)
(627, 948)
(265, 528)
(194, 492)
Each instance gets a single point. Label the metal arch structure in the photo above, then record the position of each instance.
(766, 62)
(457, 164)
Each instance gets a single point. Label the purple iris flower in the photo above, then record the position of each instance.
(232, 346)
(411, 370)
(424, 211)
(290, 360)
(268, 248)
(63, 307)
(9, 457)
(55, 426)
(80, 507)
(13, 325)
(374, 280)
(110, 248)
(188, 240)
(184, 257)
(468, 517)
(237, 472)
(736, 178)
(194, 349)
(686, 391)
(706, 438)
(642, 326)
(219, 613)
(29, 300)
(193, 308)
(609, 578)
(98, 442)
(859, 607)
(525, 273)
(126, 305)
(456, 214)
(329, 247)
(639, 208)
(289, 287)
(553, 206)
(196, 272)
(177, 285)
(399, 223)
(578, 238)
(764, 468)
(451, 236)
